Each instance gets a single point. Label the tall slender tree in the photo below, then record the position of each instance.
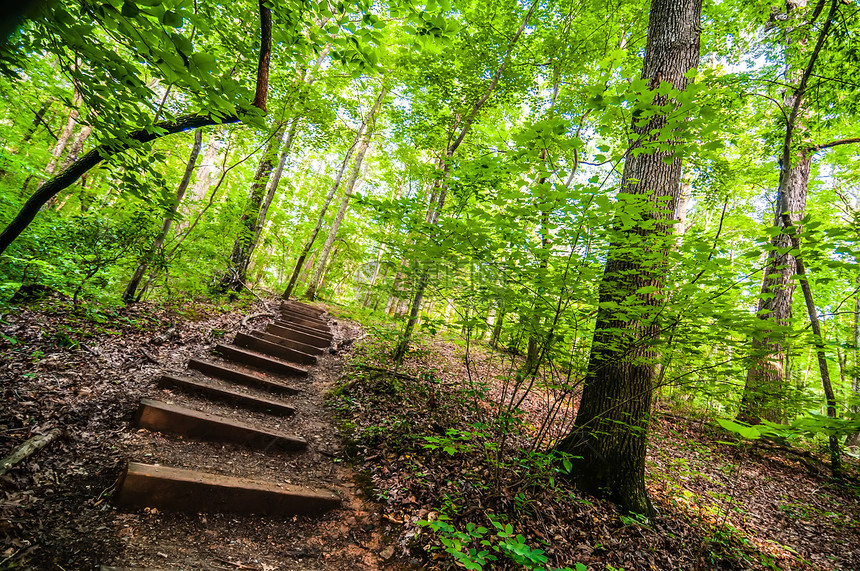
(130, 294)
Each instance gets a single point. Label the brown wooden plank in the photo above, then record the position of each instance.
(273, 349)
(299, 315)
(255, 359)
(303, 321)
(288, 332)
(308, 309)
(214, 391)
(176, 489)
(218, 371)
(198, 425)
(323, 333)
(298, 310)
(298, 346)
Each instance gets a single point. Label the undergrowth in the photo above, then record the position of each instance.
(470, 492)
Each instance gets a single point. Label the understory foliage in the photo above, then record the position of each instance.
(473, 488)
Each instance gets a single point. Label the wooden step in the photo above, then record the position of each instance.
(304, 322)
(303, 347)
(273, 349)
(308, 309)
(215, 391)
(325, 334)
(289, 333)
(175, 419)
(299, 315)
(255, 359)
(217, 371)
(176, 489)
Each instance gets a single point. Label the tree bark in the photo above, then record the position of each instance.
(764, 391)
(829, 395)
(243, 246)
(330, 196)
(64, 179)
(130, 294)
(608, 439)
(319, 269)
(77, 146)
(763, 396)
(39, 119)
(65, 135)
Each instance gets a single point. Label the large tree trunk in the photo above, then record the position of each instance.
(608, 440)
(130, 293)
(330, 196)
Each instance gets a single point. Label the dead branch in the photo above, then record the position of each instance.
(27, 449)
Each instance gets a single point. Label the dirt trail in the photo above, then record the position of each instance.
(56, 513)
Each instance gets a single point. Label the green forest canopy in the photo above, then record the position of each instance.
(462, 163)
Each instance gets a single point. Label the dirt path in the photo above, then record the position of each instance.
(56, 513)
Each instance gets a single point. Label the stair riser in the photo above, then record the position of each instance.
(304, 322)
(299, 308)
(259, 361)
(224, 373)
(273, 349)
(171, 489)
(295, 345)
(322, 334)
(296, 335)
(246, 401)
(173, 419)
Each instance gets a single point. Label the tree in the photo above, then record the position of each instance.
(130, 294)
(322, 259)
(331, 194)
(764, 389)
(608, 439)
(124, 141)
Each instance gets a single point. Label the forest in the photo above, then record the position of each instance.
(585, 275)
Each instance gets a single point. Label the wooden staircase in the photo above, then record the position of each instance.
(272, 362)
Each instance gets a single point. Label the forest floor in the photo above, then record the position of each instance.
(427, 442)
(85, 371)
(420, 446)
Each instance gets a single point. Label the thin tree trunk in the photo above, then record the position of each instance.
(65, 135)
(311, 292)
(607, 443)
(39, 119)
(243, 246)
(130, 293)
(330, 196)
(437, 197)
(77, 146)
(854, 439)
(764, 390)
(830, 397)
(366, 298)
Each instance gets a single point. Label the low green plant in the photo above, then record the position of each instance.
(478, 546)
